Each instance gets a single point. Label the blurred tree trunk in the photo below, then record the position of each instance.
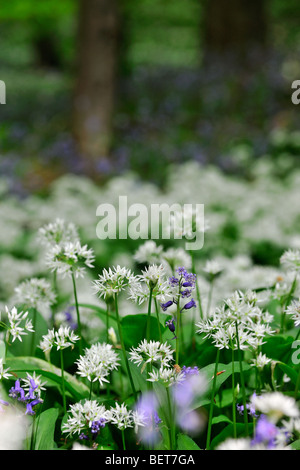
(98, 38)
(234, 28)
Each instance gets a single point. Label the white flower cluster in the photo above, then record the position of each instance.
(83, 416)
(112, 281)
(293, 310)
(4, 374)
(36, 293)
(70, 258)
(97, 363)
(291, 260)
(239, 322)
(57, 232)
(154, 278)
(159, 355)
(15, 321)
(63, 338)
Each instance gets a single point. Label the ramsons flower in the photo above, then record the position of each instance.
(276, 405)
(97, 363)
(152, 352)
(70, 258)
(112, 281)
(291, 260)
(15, 320)
(58, 232)
(83, 416)
(4, 374)
(63, 338)
(35, 293)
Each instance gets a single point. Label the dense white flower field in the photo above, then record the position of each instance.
(140, 344)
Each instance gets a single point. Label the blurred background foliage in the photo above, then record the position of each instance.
(183, 90)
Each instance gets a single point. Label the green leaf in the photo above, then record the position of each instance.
(228, 433)
(2, 351)
(226, 370)
(134, 328)
(221, 419)
(186, 443)
(289, 371)
(45, 429)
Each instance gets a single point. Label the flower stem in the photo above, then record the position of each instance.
(33, 334)
(149, 314)
(77, 312)
(123, 348)
(212, 401)
(197, 287)
(242, 380)
(233, 395)
(178, 332)
(158, 322)
(63, 381)
(171, 423)
(123, 439)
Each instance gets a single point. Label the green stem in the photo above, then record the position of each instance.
(178, 332)
(297, 385)
(123, 348)
(233, 396)
(171, 422)
(149, 314)
(123, 439)
(107, 321)
(212, 401)
(209, 297)
(56, 293)
(242, 380)
(63, 381)
(197, 287)
(33, 334)
(158, 322)
(77, 312)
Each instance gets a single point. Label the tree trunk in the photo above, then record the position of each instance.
(98, 38)
(234, 28)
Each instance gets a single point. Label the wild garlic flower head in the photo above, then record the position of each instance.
(238, 323)
(4, 374)
(33, 385)
(97, 363)
(15, 320)
(112, 282)
(152, 352)
(212, 268)
(176, 257)
(35, 293)
(260, 361)
(291, 260)
(276, 405)
(70, 258)
(83, 416)
(166, 376)
(58, 232)
(63, 338)
(149, 253)
(120, 416)
(293, 310)
(153, 281)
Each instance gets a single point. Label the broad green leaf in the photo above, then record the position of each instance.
(45, 429)
(289, 371)
(221, 419)
(228, 433)
(184, 442)
(134, 329)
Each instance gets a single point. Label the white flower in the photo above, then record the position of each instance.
(276, 406)
(68, 258)
(34, 383)
(15, 319)
(58, 232)
(213, 268)
(120, 416)
(82, 415)
(35, 293)
(291, 260)
(112, 336)
(112, 281)
(4, 372)
(152, 352)
(261, 361)
(62, 339)
(148, 253)
(97, 363)
(294, 311)
(13, 430)
(166, 376)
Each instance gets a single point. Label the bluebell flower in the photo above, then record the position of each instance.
(189, 305)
